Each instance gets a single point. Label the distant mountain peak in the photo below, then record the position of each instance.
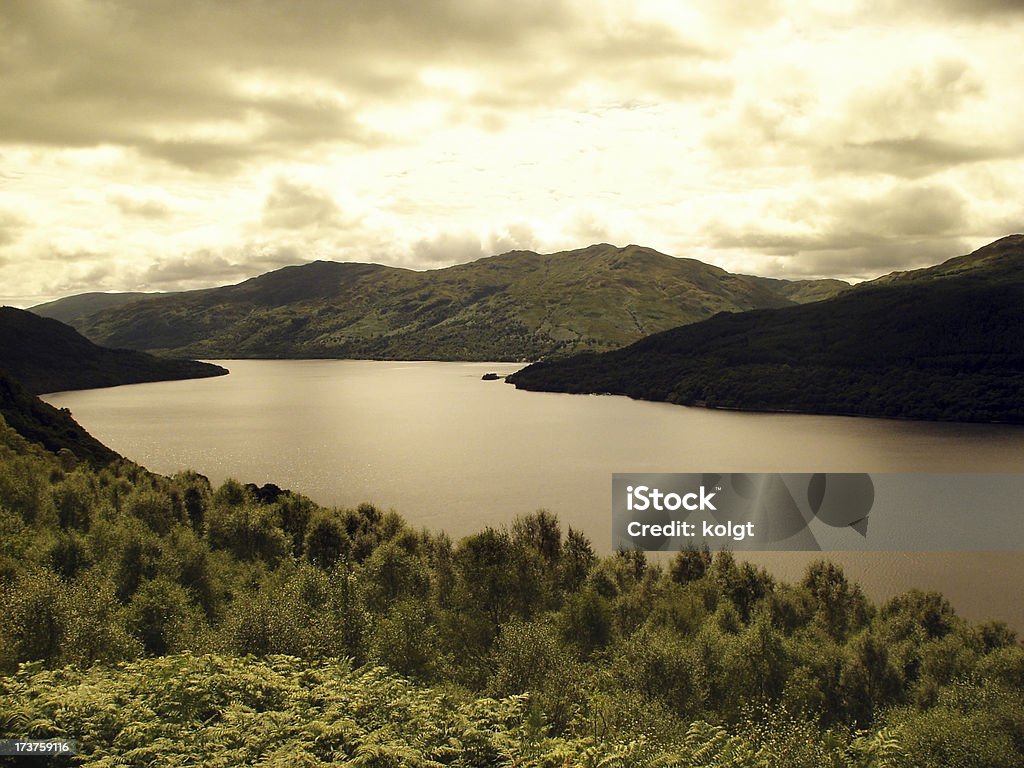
(519, 305)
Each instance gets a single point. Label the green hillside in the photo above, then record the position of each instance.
(50, 427)
(943, 343)
(161, 621)
(73, 309)
(517, 306)
(44, 355)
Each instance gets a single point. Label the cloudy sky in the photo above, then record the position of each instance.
(173, 144)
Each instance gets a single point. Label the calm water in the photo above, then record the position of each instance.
(452, 452)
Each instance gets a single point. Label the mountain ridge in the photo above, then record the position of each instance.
(72, 309)
(520, 305)
(1002, 258)
(45, 355)
(943, 344)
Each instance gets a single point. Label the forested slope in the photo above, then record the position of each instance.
(166, 620)
(944, 343)
(44, 355)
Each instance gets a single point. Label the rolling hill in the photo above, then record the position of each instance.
(517, 306)
(941, 343)
(44, 355)
(74, 309)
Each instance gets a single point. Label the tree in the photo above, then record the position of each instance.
(94, 628)
(540, 532)
(586, 622)
(406, 640)
(690, 565)
(577, 560)
(486, 577)
(839, 607)
(391, 574)
(327, 541)
(163, 618)
(34, 617)
(153, 508)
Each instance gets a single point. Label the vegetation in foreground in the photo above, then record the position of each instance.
(160, 621)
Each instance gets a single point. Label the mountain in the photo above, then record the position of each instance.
(997, 262)
(520, 305)
(44, 355)
(941, 343)
(74, 309)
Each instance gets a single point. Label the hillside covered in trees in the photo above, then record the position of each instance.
(52, 428)
(942, 343)
(162, 621)
(45, 355)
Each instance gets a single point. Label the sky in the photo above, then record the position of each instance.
(177, 144)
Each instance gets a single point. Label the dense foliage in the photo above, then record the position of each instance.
(517, 306)
(940, 349)
(160, 621)
(53, 428)
(45, 355)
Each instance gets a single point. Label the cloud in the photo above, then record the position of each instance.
(192, 143)
(907, 210)
(912, 156)
(852, 236)
(866, 261)
(588, 229)
(11, 227)
(908, 122)
(445, 249)
(57, 255)
(60, 276)
(214, 86)
(971, 9)
(199, 85)
(141, 206)
(515, 237)
(208, 267)
(295, 206)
